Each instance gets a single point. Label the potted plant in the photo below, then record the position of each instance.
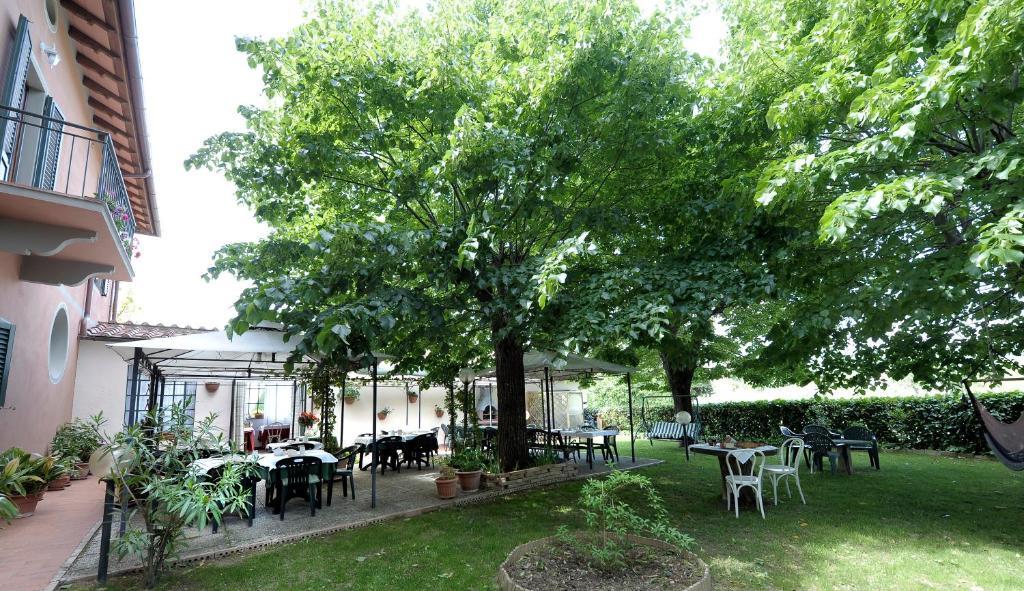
(383, 413)
(351, 394)
(446, 482)
(307, 420)
(438, 410)
(258, 414)
(23, 479)
(212, 387)
(620, 549)
(58, 474)
(469, 467)
(76, 441)
(413, 397)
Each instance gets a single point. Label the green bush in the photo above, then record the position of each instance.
(944, 422)
(939, 422)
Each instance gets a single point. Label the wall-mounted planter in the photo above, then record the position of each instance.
(212, 387)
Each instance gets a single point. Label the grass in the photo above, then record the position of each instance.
(922, 522)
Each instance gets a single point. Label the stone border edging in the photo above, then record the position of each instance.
(505, 582)
(264, 544)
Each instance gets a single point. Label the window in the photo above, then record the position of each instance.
(6, 346)
(52, 10)
(176, 393)
(12, 95)
(60, 332)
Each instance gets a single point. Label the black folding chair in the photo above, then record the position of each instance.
(299, 477)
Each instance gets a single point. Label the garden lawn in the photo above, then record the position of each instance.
(922, 522)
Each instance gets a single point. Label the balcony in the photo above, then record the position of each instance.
(63, 203)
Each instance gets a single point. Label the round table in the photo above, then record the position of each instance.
(746, 494)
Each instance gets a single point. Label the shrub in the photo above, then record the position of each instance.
(609, 519)
(943, 422)
(76, 440)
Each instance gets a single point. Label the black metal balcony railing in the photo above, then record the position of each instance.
(56, 155)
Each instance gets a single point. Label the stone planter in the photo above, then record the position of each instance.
(27, 504)
(81, 471)
(446, 487)
(469, 481)
(505, 582)
(60, 483)
(530, 477)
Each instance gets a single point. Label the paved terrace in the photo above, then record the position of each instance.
(399, 495)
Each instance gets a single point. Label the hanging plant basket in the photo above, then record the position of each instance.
(438, 412)
(212, 387)
(413, 398)
(350, 400)
(382, 416)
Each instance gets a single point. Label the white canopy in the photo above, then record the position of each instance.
(561, 366)
(260, 352)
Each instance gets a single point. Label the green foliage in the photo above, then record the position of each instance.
(944, 422)
(350, 393)
(469, 459)
(896, 166)
(24, 473)
(76, 440)
(153, 469)
(609, 518)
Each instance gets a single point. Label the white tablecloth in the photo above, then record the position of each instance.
(204, 465)
(406, 436)
(269, 461)
(272, 446)
(588, 434)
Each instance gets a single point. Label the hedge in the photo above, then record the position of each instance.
(944, 422)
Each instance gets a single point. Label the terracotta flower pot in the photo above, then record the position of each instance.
(439, 413)
(81, 471)
(413, 398)
(27, 504)
(382, 416)
(212, 387)
(60, 483)
(446, 487)
(350, 400)
(507, 583)
(469, 481)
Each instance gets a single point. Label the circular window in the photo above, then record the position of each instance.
(51, 8)
(59, 333)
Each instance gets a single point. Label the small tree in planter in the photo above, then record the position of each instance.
(620, 549)
(153, 469)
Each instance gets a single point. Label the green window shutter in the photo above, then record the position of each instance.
(13, 93)
(48, 155)
(6, 347)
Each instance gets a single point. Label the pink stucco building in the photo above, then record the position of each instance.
(75, 189)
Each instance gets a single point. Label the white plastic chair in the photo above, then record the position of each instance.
(735, 481)
(791, 451)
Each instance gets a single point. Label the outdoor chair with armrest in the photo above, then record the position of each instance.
(388, 453)
(862, 433)
(821, 446)
(346, 462)
(299, 477)
(418, 450)
(248, 483)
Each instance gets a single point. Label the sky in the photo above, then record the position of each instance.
(193, 81)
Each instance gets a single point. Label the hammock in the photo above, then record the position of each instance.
(1006, 440)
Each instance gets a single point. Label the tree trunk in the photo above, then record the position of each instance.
(508, 358)
(680, 381)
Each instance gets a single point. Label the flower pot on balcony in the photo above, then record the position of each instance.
(469, 481)
(27, 504)
(60, 483)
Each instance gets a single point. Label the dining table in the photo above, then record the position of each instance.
(744, 467)
(268, 467)
(589, 435)
(287, 442)
(844, 446)
(405, 435)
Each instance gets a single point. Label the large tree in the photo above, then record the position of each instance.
(440, 167)
(901, 122)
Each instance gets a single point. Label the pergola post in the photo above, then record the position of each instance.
(133, 387)
(373, 440)
(629, 397)
(419, 405)
(341, 420)
(107, 522)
